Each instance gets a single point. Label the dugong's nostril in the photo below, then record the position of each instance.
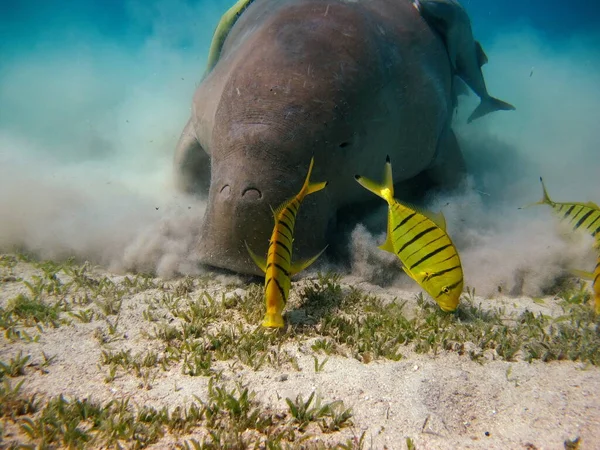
(225, 190)
(251, 194)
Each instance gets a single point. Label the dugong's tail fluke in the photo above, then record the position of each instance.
(489, 104)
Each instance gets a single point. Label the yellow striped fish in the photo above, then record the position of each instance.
(581, 216)
(420, 241)
(595, 276)
(278, 267)
(223, 28)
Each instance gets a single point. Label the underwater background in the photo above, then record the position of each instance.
(94, 95)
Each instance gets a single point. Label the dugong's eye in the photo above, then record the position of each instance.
(445, 290)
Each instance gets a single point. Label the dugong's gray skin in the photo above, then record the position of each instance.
(347, 81)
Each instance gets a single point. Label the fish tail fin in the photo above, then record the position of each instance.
(489, 104)
(316, 187)
(385, 190)
(273, 320)
(308, 187)
(545, 197)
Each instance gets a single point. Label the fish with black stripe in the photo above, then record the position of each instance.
(420, 240)
(278, 266)
(580, 216)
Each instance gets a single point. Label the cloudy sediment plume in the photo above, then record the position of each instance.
(89, 128)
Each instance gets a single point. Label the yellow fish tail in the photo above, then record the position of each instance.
(545, 197)
(308, 187)
(316, 187)
(546, 200)
(273, 320)
(385, 190)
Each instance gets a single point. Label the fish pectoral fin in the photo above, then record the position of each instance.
(299, 266)
(482, 58)
(582, 274)
(259, 261)
(388, 245)
(274, 212)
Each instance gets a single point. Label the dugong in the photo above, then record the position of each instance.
(348, 81)
(451, 20)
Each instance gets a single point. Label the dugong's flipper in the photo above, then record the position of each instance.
(222, 30)
(191, 163)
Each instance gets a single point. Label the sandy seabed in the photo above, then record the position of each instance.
(441, 400)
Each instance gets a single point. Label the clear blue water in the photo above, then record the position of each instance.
(94, 94)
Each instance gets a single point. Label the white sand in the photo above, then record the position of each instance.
(442, 401)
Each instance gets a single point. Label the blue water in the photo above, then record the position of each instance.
(94, 94)
(25, 22)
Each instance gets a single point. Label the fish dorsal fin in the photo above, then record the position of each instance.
(299, 266)
(582, 274)
(482, 58)
(281, 207)
(593, 205)
(259, 261)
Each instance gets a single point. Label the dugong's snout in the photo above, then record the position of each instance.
(236, 213)
(249, 193)
(240, 210)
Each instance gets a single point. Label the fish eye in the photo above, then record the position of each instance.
(445, 290)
